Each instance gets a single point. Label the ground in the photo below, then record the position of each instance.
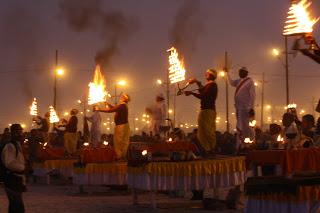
(42, 198)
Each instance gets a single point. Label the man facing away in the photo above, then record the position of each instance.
(244, 98)
(158, 114)
(207, 115)
(13, 164)
(95, 130)
(70, 136)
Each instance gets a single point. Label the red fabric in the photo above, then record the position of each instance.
(172, 147)
(266, 157)
(300, 160)
(99, 155)
(51, 153)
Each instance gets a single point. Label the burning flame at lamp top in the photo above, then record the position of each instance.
(252, 123)
(176, 70)
(34, 108)
(279, 138)
(247, 140)
(299, 20)
(97, 92)
(292, 106)
(53, 115)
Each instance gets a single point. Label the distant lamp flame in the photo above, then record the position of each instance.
(299, 20)
(53, 115)
(170, 139)
(248, 141)
(105, 143)
(144, 152)
(252, 123)
(292, 106)
(86, 144)
(97, 92)
(34, 107)
(176, 70)
(279, 138)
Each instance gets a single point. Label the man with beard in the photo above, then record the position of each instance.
(13, 166)
(207, 115)
(244, 98)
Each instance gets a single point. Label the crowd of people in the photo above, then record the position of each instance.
(294, 132)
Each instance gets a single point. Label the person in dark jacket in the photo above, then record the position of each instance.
(70, 136)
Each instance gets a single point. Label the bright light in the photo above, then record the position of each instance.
(122, 83)
(79, 102)
(97, 88)
(299, 20)
(159, 81)
(247, 140)
(256, 84)
(302, 112)
(144, 115)
(137, 119)
(170, 139)
(279, 138)
(86, 144)
(252, 123)
(108, 128)
(144, 152)
(53, 115)
(105, 124)
(60, 71)
(66, 113)
(222, 73)
(23, 126)
(88, 110)
(136, 128)
(105, 143)
(275, 52)
(148, 122)
(292, 106)
(170, 111)
(268, 106)
(34, 107)
(176, 69)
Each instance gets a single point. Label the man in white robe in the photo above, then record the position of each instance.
(95, 130)
(157, 114)
(244, 103)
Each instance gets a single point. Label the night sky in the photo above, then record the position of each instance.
(31, 31)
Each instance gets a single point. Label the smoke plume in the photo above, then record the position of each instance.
(112, 26)
(23, 31)
(187, 27)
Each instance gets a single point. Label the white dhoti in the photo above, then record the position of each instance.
(243, 128)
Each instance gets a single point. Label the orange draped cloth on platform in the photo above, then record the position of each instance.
(172, 147)
(100, 155)
(300, 160)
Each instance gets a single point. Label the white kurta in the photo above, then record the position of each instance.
(95, 130)
(158, 116)
(244, 101)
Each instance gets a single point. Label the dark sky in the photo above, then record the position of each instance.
(31, 31)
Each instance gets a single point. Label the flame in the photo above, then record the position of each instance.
(86, 144)
(34, 107)
(292, 106)
(53, 115)
(105, 143)
(247, 140)
(144, 152)
(279, 138)
(97, 88)
(252, 123)
(299, 20)
(176, 70)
